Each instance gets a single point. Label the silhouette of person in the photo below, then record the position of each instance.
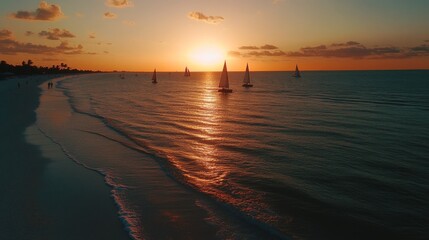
(19, 85)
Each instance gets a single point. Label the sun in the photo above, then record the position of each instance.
(207, 56)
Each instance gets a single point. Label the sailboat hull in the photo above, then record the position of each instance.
(225, 90)
(154, 82)
(247, 85)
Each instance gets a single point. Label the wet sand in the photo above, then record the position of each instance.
(44, 194)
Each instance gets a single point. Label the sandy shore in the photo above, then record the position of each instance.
(44, 194)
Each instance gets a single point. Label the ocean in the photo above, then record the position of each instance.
(331, 155)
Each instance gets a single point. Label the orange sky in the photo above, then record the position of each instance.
(169, 35)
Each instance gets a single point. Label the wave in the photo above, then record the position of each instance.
(179, 175)
(128, 218)
(304, 142)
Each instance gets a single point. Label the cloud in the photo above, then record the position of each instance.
(276, 53)
(349, 43)
(56, 34)
(109, 15)
(119, 3)
(268, 47)
(45, 12)
(208, 19)
(264, 47)
(265, 53)
(421, 50)
(10, 46)
(92, 35)
(5, 34)
(29, 33)
(248, 48)
(349, 49)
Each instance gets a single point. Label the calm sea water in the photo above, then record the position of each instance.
(333, 155)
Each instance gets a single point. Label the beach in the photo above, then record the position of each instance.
(45, 195)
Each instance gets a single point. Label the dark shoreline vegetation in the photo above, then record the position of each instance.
(27, 68)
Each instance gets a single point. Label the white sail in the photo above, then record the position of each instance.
(224, 83)
(247, 75)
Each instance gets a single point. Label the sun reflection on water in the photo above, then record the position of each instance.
(205, 146)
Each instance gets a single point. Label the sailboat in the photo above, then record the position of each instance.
(224, 82)
(297, 73)
(154, 76)
(187, 72)
(246, 80)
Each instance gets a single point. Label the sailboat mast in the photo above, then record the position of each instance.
(154, 75)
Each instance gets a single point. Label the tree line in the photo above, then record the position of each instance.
(28, 68)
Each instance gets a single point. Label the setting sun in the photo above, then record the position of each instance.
(207, 55)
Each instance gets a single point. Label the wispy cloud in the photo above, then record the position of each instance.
(56, 34)
(10, 46)
(248, 48)
(92, 35)
(45, 12)
(202, 17)
(349, 43)
(264, 47)
(109, 15)
(29, 33)
(424, 48)
(268, 47)
(265, 53)
(119, 3)
(5, 34)
(351, 49)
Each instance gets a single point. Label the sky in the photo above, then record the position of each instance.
(270, 35)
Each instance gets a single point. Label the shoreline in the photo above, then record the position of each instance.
(45, 194)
